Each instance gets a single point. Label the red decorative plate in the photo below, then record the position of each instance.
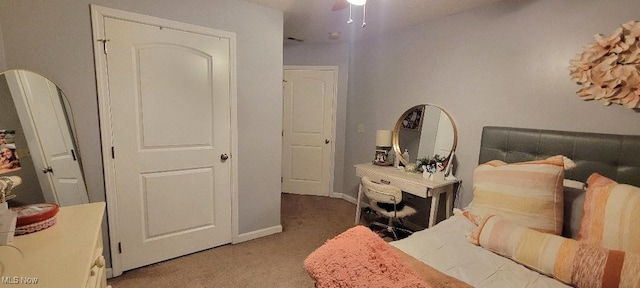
(35, 217)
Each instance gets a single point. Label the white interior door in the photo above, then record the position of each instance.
(47, 133)
(169, 95)
(308, 124)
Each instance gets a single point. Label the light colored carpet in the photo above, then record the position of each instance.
(272, 261)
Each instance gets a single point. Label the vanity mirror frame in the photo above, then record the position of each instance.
(423, 108)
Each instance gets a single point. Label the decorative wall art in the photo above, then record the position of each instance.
(608, 69)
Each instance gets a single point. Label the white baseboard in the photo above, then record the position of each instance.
(350, 199)
(257, 234)
(344, 197)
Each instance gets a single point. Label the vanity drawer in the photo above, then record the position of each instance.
(404, 184)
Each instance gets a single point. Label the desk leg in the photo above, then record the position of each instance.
(450, 190)
(435, 203)
(358, 204)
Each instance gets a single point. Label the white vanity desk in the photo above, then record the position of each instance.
(67, 254)
(412, 183)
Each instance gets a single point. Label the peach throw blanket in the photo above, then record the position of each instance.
(360, 258)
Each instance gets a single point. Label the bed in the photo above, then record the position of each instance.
(494, 250)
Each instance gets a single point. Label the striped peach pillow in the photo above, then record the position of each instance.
(527, 193)
(611, 215)
(568, 260)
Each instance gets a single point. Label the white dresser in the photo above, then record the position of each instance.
(67, 254)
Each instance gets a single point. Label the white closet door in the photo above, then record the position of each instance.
(308, 124)
(170, 115)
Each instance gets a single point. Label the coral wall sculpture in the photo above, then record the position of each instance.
(608, 69)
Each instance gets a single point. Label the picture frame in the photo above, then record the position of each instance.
(413, 120)
(382, 158)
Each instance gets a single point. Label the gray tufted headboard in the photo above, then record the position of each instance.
(614, 156)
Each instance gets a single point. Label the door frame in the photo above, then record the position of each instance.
(334, 113)
(98, 14)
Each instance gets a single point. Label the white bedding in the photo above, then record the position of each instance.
(446, 248)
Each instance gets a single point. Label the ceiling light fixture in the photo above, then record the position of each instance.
(364, 10)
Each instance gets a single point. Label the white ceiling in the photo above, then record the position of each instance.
(313, 20)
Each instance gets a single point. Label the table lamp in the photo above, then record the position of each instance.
(383, 147)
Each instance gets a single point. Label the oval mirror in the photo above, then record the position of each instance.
(423, 131)
(37, 141)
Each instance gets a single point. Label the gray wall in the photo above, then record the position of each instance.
(505, 64)
(329, 55)
(54, 38)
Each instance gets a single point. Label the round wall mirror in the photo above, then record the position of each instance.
(424, 130)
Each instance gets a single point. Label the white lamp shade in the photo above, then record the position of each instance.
(383, 138)
(357, 2)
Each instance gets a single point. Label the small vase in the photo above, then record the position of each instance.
(425, 173)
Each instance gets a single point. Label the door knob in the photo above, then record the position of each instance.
(46, 170)
(326, 141)
(224, 157)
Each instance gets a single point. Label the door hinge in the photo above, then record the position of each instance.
(119, 247)
(73, 154)
(104, 44)
(281, 179)
(113, 153)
